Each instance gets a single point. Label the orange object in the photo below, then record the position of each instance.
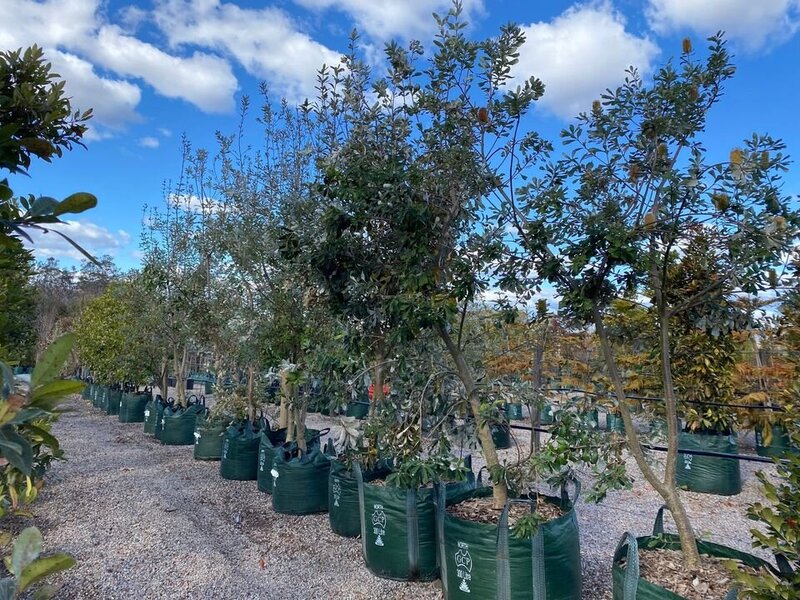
(371, 390)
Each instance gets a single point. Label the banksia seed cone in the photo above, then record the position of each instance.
(596, 106)
(694, 94)
(687, 45)
(737, 156)
(765, 160)
(721, 201)
(662, 150)
(773, 278)
(649, 221)
(633, 172)
(483, 115)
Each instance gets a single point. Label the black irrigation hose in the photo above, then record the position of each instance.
(745, 457)
(774, 407)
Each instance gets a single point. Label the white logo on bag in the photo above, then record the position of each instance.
(337, 490)
(262, 459)
(378, 524)
(197, 437)
(463, 566)
(687, 462)
(146, 414)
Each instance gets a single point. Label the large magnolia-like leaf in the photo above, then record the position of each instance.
(16, 449)
(76, 203)
(53, 358)
(27, 548)
(43, 567)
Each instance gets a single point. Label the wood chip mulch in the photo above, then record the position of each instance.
(480, 510)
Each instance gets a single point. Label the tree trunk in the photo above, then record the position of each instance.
(668, 493)
(251, 407)
(499, 490)
(377, 382)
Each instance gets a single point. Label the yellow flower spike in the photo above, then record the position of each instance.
(737, 156)
(596, 106)
(649, 221)
(687, 45)
(765, 159)
(721, 201)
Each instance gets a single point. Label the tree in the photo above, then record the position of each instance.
(18, 298)
(36, 119)
(606, 220)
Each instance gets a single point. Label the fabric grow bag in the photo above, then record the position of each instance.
(113, 402)
(209, 436)
(101, 401)
(501, 436)
(358, 409)
(614, 423)
(514, 411)
(398, 529)
(709, 474)
(300, 483)
(547, 415)
(239, 460)
(343, 507)
(479, 560)
(86, 394)
(626, 583)
(177, 425)
(152, 415)
(268, 444)
(132, 407)
(780, 445)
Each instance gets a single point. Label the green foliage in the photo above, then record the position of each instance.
(779, 517)
(26, 444)
(18, 299)
(28, 567)
(113, 335)
(413, 473)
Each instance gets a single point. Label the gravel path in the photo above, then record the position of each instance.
(147, 521)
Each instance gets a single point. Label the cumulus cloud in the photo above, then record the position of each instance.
(581, 53)
(149, 142)
(101, 62)
(752, 25)
(264, 41)
(94, 238)
(385, 19)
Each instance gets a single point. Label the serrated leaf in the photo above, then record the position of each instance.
(42, 568)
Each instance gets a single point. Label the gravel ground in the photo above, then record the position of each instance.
(147, 521)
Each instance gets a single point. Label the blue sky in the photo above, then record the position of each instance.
(156, 69)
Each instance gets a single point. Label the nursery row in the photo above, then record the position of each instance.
(528, 548)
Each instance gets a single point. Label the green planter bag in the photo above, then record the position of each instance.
(101, 401)
(343, 507)
(514, 411)
(485, 561)
(614, 423)
(547, 415)
(300, 483)
(709, 474)
(177, 425)
(152, 415)
(399, 529)
(501, 436)
(780, 445)
(268, 444)
(209, 434)
(132, 407)
(358, 409)
(239, 459)
(86, 394)
(113, 402)
(627, 585)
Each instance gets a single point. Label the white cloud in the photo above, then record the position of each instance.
(78, 37)
(752, 23)
(385, 19)
(149, 142)
(201, 79)
(114, 101)
(264, 41)
(580, 54)
(95, 239)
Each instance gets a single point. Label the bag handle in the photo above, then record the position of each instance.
(631, 581)
(658, 526)
(565, 494)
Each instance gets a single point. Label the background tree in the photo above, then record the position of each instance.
(605, 221)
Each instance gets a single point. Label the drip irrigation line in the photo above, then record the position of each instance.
(711, 453)
(774, 407)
